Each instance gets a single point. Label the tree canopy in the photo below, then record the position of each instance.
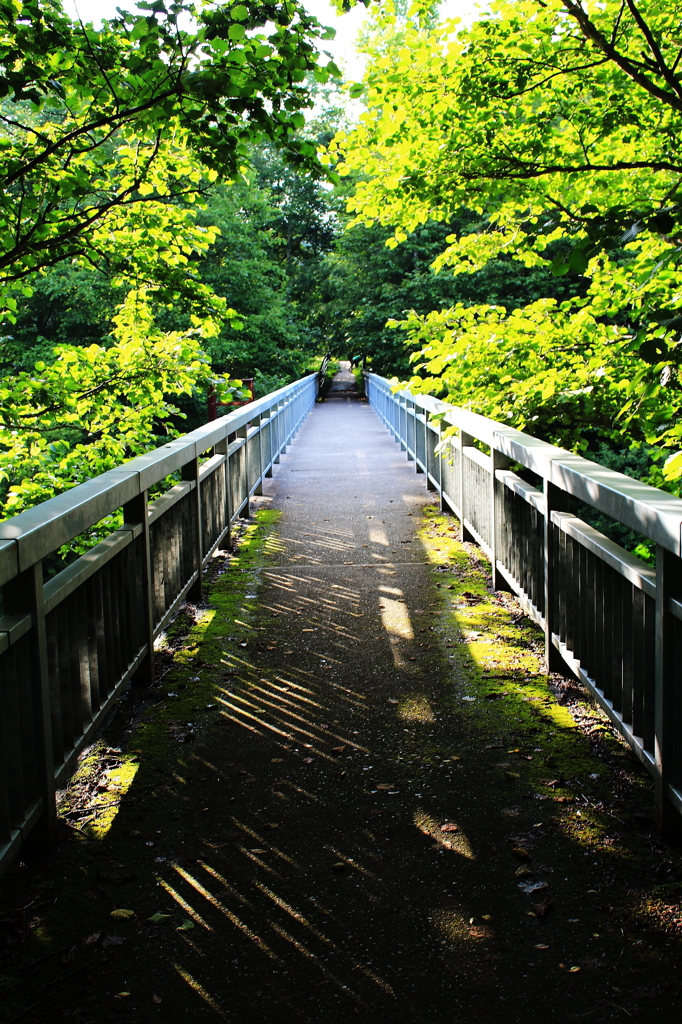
(504, 230)
(557, 122)
(103, 124)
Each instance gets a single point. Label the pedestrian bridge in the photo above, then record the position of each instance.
(347, 826)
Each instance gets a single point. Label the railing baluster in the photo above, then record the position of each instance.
(24, 595)
(668, 716)
(497, 461)
(136, 513)
(553, 502)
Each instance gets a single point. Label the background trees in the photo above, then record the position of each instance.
(504, 226)
(110, 140)
(556, 123)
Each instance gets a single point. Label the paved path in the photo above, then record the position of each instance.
(347, 837)
(343, 382)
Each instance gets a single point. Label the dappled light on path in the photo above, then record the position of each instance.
(367, 804)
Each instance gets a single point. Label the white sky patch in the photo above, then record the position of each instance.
(347, 26)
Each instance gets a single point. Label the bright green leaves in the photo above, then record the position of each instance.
(557, 122)
(95, 407)
(92, 120)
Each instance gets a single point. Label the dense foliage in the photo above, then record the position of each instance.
(504, 228)
(557, 122)
(110, 141)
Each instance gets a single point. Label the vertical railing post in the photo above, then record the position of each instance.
(190, 471)
(258, 423)
(439, 460)
(430, 486)
(667, 700)
(554, 501)
(497, 461)
(246, 511)
(222, 448)
(275, 425)
(25, 595)
(135, 512)
(270, 460)
(464, 441)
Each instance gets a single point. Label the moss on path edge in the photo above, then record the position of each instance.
(357, 848)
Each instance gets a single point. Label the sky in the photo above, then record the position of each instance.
(346, 25)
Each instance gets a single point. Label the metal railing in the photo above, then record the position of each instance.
(69, 645)
(610, 618)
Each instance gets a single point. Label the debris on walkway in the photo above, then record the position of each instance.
(352, 794)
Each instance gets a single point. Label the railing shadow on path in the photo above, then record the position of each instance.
(345, 839)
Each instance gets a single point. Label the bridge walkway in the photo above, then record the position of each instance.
(354, 827)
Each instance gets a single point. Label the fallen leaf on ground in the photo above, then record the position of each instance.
(122, 915)
(338, 750)
(523, 872)
(156, 999)
(449, 827)
(111, 940)
(541, 945)
(532, 886)
(384, 785)
(308, 760)
(157, 918)
(392, 700)
(276, 760)
(186, 926)
(563, 799)
(91, 938)
(542, 909)
(521, 853)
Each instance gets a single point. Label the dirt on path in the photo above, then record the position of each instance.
(351, 796)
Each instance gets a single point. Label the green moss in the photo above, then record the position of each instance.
(503, 692)
(153, 755)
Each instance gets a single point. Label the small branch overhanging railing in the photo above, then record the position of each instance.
(70, 645)
(611, 619)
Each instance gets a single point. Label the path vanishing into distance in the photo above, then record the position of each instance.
(351, 795)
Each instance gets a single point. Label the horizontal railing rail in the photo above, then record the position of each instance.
(70, 645)
(612, 620)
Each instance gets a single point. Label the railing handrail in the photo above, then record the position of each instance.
(648, 510)
(31, 535)
(608, 617)
(71, 644)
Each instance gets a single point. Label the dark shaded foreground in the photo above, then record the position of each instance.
(348, 779)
